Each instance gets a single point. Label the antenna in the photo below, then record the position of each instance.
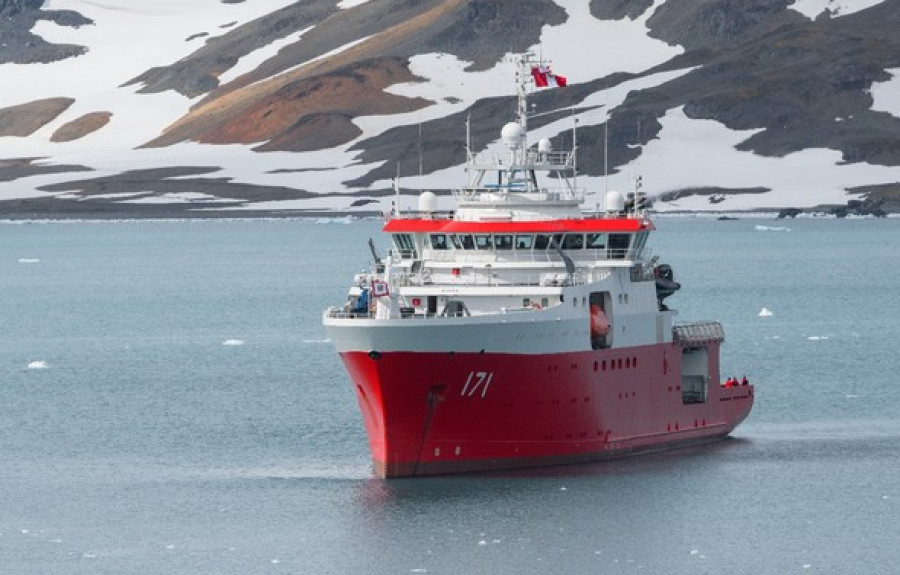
(397, 191)
(574, 153)
(420, 156)
(606, 150)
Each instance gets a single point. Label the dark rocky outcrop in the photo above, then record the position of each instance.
(21, 46)
(619, 9)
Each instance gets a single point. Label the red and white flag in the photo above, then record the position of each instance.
(380, 288)
(544, 78)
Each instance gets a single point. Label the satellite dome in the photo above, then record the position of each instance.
(615, 202)
(544, 146)
(428, 202)
(512, 135)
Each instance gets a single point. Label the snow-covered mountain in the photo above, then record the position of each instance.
(153, 107)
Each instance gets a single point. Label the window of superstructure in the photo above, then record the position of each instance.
(544, 241)
(503, 241)
(467, 242)
(639, 241)
(439, 242)
(483, 241)
(524, 242)
(454, 239)
(596, 241)
(573, 242)
(618, 245)
(405, 245)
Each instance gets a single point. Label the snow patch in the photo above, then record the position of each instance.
(345, 4)
(886, 95)
(178, 198)
(813, 8)
(252, 60)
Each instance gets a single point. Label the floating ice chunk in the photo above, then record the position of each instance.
(38, 364)
(772, 229)
(233, 342)
(482, 542)
(694, 551)
(765, 312)
(275, 561)
(817, 337)
(29, 261)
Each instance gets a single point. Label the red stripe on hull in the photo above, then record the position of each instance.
(429, 413)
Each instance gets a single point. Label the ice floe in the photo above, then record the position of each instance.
(765, 312)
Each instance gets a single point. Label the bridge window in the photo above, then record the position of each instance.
(503, 242)
(596, 241)
(640, 240)
(405, 245)
(618, 245)
(439, 242)
(483, 241)
(524, 242)
(573, 242)
(544, 241)
(463, 241)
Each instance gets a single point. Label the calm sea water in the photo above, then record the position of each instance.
(169, 405)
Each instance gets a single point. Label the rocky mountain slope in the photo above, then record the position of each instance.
(316, 105)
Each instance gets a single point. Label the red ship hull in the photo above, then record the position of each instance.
(435, 413)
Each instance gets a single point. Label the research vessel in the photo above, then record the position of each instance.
(520, 330)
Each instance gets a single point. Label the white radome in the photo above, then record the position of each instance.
(428, 202)
(513, 135)
(615, 202)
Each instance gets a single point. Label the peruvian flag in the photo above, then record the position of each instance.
(544, 78)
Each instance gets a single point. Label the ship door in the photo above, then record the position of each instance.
(694, 375)
(601, 328)
(432, 304)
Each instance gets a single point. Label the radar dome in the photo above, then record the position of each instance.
(428, 202)
(615, 202)
(544, 146)
(512, 135)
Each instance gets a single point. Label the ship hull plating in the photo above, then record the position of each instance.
(441, 412)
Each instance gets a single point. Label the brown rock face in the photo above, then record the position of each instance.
(25, 119)
(81, 127)
(304, 114)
